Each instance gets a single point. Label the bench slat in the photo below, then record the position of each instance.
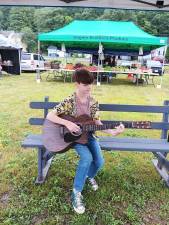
(33, 141)
(112, 143)
(133, 108)
(109, 107)
(42, 105)
(134, 144)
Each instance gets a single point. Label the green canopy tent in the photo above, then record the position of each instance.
(113, 35)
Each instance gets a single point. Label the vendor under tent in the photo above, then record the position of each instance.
(120, 4)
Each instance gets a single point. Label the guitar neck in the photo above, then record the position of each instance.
(93, 127)
(113, 124)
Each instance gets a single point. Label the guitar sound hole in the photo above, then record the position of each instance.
(69, 137)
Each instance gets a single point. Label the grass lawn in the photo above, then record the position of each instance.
(131, 191)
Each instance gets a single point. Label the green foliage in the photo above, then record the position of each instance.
(47, 19)
(30, 38)
(36, 20)
(55, 61)
(167, 54)
(20, 18)
(5, 17)
(1, 18)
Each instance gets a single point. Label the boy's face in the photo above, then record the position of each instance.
(84, 89)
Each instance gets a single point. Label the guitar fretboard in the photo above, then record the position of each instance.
(93, 127)
(129, 124)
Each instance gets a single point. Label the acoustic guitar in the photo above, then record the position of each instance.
(57, 138)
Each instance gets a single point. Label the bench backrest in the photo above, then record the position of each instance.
(162, 125)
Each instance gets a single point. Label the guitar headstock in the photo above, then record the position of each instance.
(141, 124)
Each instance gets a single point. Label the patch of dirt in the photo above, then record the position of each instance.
(4, 198)
(151, 215)
(39, 219)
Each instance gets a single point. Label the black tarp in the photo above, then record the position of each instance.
(12, 55)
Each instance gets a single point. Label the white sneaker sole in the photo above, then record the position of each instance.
(79, 211)
(95, 188)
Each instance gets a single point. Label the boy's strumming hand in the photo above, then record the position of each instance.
(72, 127)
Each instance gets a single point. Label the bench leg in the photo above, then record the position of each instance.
(162, 166)
(43, 166)
(159, 162)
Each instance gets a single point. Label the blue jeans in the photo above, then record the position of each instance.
(91, 161)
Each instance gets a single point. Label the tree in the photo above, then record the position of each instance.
(167, 55)
(5, 18)
(21, 17)
(161, 23)
(1, 18)
(30, 39)
(47, 19)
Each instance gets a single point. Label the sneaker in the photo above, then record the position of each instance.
(93, 183)
(77, 202)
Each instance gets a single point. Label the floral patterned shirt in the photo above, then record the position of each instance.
(68, 107)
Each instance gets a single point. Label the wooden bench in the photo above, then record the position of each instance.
(159, 147)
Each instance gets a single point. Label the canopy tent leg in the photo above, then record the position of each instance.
(100, 62)
(98, 66)
(161, 78)
(38, 76)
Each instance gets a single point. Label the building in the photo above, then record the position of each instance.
(53, 52)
